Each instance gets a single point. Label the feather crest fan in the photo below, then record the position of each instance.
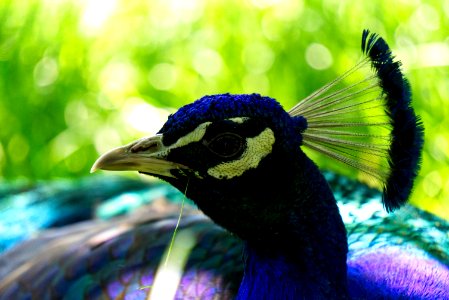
(368, 124)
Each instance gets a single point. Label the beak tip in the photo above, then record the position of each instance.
(106, 159)
(94, 167)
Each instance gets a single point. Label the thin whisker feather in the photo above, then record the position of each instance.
(326, 87)
(382, 164)
(345, 133)
(320, 102)
(333, 124)
(340, 141)
(353, 163)
(340, 147)
(347, 109)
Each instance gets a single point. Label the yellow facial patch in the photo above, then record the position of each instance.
(257, 148)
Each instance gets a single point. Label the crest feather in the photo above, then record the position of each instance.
(364, 120)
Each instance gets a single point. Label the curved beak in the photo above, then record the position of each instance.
(146, 155)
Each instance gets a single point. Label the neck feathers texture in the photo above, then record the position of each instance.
(280, 277)
(308, 260)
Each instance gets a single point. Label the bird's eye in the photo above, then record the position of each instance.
(226, 144)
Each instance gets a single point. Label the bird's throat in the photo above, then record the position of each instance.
(308, 260)
(295, 238)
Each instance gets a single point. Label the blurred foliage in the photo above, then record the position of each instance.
(80, 77)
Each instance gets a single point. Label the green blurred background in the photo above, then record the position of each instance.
(80, 77)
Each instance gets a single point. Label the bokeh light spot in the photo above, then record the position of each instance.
(142, 116)
(185, 11)
(433, 55)
(312, 20)
(63, 145)
(258, 58)
(106, 138)
(46, 72)
(256, 84)
(266, 3)
(95, 14)
(18, 148)
(117, 79)
(426, 17)
(424, 55)
(207, 62)
(446, 8)
(75, 113)
(432, 184)
(288, 10)
(318, 56)
(163, 76)
(440, 148)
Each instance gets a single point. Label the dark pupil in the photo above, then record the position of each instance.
(226, 145)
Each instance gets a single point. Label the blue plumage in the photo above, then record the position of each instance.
(240, 159)
(226, 106)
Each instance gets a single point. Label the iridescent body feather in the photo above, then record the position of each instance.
(105, 259)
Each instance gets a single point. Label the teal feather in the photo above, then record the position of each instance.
(89, 265)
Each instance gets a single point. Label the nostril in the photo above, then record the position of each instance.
(145, 145)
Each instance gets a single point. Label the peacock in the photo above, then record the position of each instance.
(265, 223)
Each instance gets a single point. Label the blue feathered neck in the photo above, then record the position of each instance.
(308, 259)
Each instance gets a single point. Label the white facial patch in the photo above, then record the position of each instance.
(239, 120)
(195, 136)
(257, 148)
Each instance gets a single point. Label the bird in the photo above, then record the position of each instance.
(270, 226)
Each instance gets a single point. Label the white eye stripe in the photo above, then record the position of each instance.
(198, 133)
(257, 148)
(239, 120)
(194, 136)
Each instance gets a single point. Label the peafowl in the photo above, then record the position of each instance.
(273, 228)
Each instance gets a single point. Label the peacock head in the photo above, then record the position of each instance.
(239, 156)
(234, 155)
